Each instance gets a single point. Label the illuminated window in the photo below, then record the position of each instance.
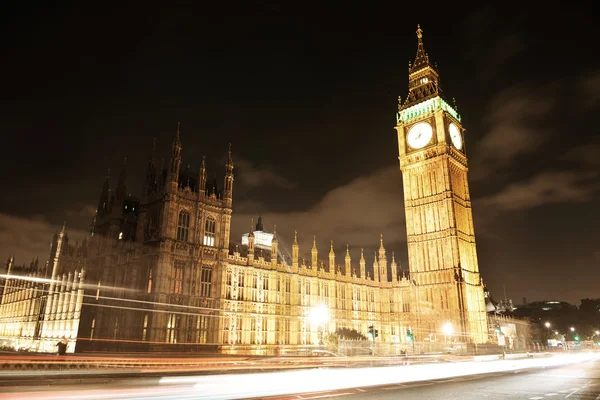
(92, 330)
(120, 235)
(205, 281)
(177, 278)
(144, 331)
(173, 328)
(209, 232)
(98, 291)
(202, 328)
(150, 280)
(183, 226)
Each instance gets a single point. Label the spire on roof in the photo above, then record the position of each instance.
(422, 58)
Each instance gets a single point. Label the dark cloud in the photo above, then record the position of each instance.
(545, 188)
(587, 155)
(516, 125)
(354, 213)
(253, 176)
(27, 238)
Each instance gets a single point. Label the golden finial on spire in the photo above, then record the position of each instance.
(419, 31)
(314, 241)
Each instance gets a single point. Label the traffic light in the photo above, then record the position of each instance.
(409, 336)
(373, 332)
(576, 337)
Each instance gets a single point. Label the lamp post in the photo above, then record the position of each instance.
(319, 316)
(448, 330)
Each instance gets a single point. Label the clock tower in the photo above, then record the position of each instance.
(439, 223)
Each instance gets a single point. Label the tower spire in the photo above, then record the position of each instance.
(295, 252)
(202, 177)
(228, 180)
(423, 78)
(422, 58)
(175, 160)
(314, 255)
(362, 265)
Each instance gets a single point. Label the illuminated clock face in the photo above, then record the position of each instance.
(455, 136)
(419, 135)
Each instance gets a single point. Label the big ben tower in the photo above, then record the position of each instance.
(439, 222)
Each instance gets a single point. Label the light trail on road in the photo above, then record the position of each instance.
(244, 386)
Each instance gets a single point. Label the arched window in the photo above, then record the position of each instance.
(183, 226)
(209, 232)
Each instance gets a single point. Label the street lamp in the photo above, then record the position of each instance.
(597, 333)
(447, 329)
(319, 316)
(547, 324)
(572, 329)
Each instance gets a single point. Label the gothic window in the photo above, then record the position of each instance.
(202, 329)
(209, 232)
(92, 330)
(145, 329)
(149, 290)
(177, 278)
(173, 328)
(183, 226)
(205, 281)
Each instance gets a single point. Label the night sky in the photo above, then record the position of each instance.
(307, 97)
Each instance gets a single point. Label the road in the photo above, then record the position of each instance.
(574, 382)
(569, 376)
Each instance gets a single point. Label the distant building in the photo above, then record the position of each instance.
(539, 309)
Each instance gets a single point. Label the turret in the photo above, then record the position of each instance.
(314, 255)
(362, 264)
(347, 262)
(175, 160)
(202, 178)
(228, 182)
(60, 238)
(274, 247)
(251, 243)
(383, 275)
(9, 265)
(295, 253)
(332, 260)
(395, 274)
(375, 268)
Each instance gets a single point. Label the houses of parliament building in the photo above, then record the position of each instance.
(158, 273)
